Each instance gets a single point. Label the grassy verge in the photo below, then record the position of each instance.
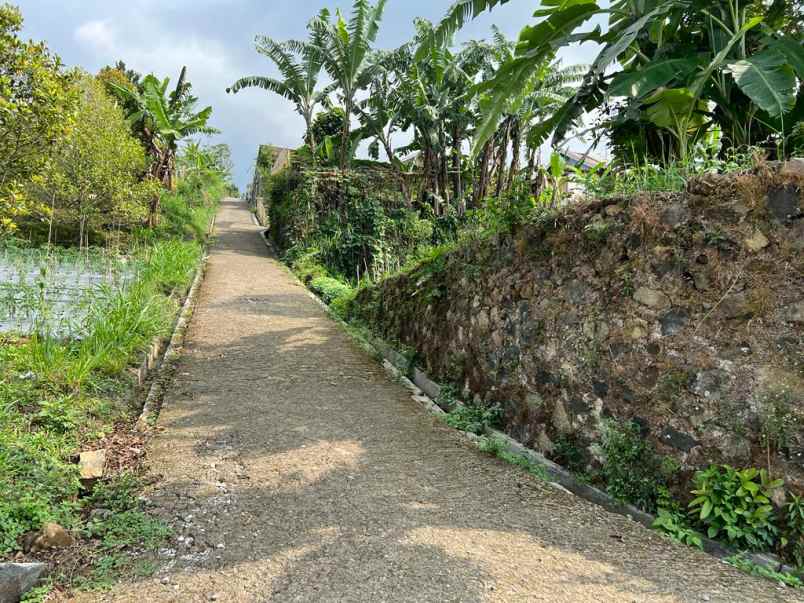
(62, 396)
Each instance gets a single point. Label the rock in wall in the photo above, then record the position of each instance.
(683, 312)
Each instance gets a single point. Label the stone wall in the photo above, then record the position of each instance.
(683, 312)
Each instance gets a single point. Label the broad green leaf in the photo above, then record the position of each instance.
(717, 62)
(457, 15)
(793, 51)
(706, 509)
(610, 53)
(654, 75)
(670, 108)
(768, 80)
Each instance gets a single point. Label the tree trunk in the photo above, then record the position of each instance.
(529, 169)
(456, 167)
(503, 156)
(516, 143)
(308, 120)
(347, 107)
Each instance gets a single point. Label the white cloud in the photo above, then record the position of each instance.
(98, 34)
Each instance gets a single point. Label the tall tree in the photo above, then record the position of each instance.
(345, 49)
(162, 119)
(299, 64)
(37, 106)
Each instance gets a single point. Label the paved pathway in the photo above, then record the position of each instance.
(294, 469)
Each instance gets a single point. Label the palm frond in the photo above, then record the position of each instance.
(457, 16)
(266, 83)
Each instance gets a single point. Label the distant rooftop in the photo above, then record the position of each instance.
(581, 160)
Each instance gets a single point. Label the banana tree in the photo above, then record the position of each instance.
(345, 52)
(163, 119)
(300, 64)
(739, 59)
(381, 113)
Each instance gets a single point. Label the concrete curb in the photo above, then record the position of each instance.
(157, 387)
(425, 391)
(156, 360)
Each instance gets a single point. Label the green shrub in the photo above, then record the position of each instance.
(633, 471)
(330, 289)
(792, 542)
(38, 484)
(342, 305)
(675, 526)
(306, 265)
(474, 419)
(568, 453)
(736, 503)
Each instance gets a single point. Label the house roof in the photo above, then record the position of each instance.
(581, 160)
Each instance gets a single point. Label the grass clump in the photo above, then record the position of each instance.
(749, 567)
(330, 289)
(498, 447)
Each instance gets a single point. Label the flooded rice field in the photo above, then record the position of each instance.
(51, 291)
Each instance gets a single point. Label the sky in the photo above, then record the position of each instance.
(215, 40)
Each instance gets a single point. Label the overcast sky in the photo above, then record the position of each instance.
(215, 39)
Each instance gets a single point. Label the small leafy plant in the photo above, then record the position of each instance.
(633, 471)
(474, 419)
(749, 567)
(736, 503)
(792, 542)
(674, 525)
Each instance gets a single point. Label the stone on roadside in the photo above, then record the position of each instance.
(795, 312)
(756, 242)
(16, 579)
(52, 536)
(652, 298)
(793, 168)
(91, 464)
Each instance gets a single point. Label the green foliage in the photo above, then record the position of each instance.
(474, 419)
(37, 104)
(123, 527)
(736, 503)
(671, 521)
(330, 289)
(351, 224)
(93, 177)
(299, 64)
(496, 446)
(161, 119)
(326, 131)
(749, 567)
(58, 396)
(792, 521)
(344, 48)
(675, 526)
(504, 213)
(597, 231)
(568, 453)
(633, 472)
